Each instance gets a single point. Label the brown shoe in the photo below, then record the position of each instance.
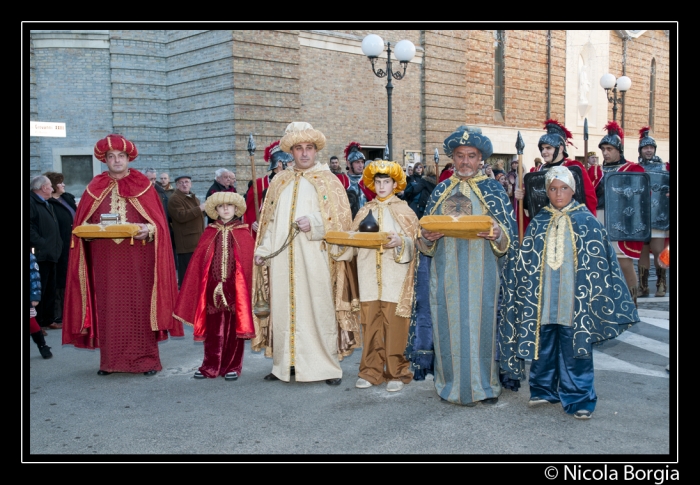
(660, 282)
(643, 288)
(56, 326)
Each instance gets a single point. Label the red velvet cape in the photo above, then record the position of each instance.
(191, 306)
(79, 306)
(249, 216)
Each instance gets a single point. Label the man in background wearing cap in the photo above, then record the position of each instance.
(659, 238)
(278, 161)
(563, 307)
(120, 296)
(468, 276)
(612, 147)
(187, 214)
(306, 334)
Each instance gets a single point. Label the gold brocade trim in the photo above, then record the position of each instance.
(378, 254)
(292, 300)
(219, 289)
(555, 240)
(154, 291)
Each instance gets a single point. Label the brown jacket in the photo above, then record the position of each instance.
(187, 221)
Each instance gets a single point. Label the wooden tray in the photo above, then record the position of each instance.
(369, 240)
(463, 227)
(109, 231)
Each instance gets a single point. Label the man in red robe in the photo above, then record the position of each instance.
(120, 293)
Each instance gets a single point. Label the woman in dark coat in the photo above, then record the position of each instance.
(64, 207)
(420, 185)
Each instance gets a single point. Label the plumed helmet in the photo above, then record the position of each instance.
(470, 136)
(615, 137)
(645, 139)
(115, 141)
(557, 135)
(392, 169)
(353, 153)
(301, 132)
(218, 198)
(274, 156)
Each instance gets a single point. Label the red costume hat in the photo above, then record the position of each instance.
(115, 142)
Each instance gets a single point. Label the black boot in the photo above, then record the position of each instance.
(40, 342)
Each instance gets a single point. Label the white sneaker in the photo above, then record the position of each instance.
(536, 401)
(582, 414)
(363, 384)
(394, 386)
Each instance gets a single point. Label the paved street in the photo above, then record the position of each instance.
(72, 414)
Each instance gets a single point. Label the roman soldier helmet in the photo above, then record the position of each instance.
(353, 153)
(470, 136)
(557, 136)
(615, 137)
(274, 156)
(115, 141)
(645, 140)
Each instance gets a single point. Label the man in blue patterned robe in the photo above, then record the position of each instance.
(571, 294)
(467, 276)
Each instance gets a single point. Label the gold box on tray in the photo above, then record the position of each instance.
(463, 227)
(369, 240)
(106, 231)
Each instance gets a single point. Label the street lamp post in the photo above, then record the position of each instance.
(622, 84)
(372, 47)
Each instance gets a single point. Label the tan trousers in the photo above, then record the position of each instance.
(384, 337)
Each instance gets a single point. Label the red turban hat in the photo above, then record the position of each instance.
(115, 142)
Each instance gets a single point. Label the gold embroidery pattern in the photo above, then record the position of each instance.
(292, 302)
(224, 232)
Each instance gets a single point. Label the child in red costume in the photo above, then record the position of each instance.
(215, 293)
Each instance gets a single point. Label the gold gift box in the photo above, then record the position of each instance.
(463, 227)
(368, 240)
(106, 231)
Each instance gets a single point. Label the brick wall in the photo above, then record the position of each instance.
(266, 75)
(640, 51)
(341, 96)
(72, 87)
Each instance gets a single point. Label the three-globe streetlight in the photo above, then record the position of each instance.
(404, 50)
(609, 82)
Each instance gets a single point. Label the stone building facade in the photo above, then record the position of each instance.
(190, 99)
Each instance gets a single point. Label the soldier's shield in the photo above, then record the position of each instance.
(628, 206)
(660, 206)
(537, 195)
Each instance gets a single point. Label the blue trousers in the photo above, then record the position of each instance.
(559, 377)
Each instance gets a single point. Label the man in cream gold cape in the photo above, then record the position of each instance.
(312, 324)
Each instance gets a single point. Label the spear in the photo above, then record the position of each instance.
(436, 157)
(251, 152)
(585, 142)
(520, 146)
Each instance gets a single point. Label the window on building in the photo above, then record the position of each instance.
(652, 92)
(77, 173)
(499, 74)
